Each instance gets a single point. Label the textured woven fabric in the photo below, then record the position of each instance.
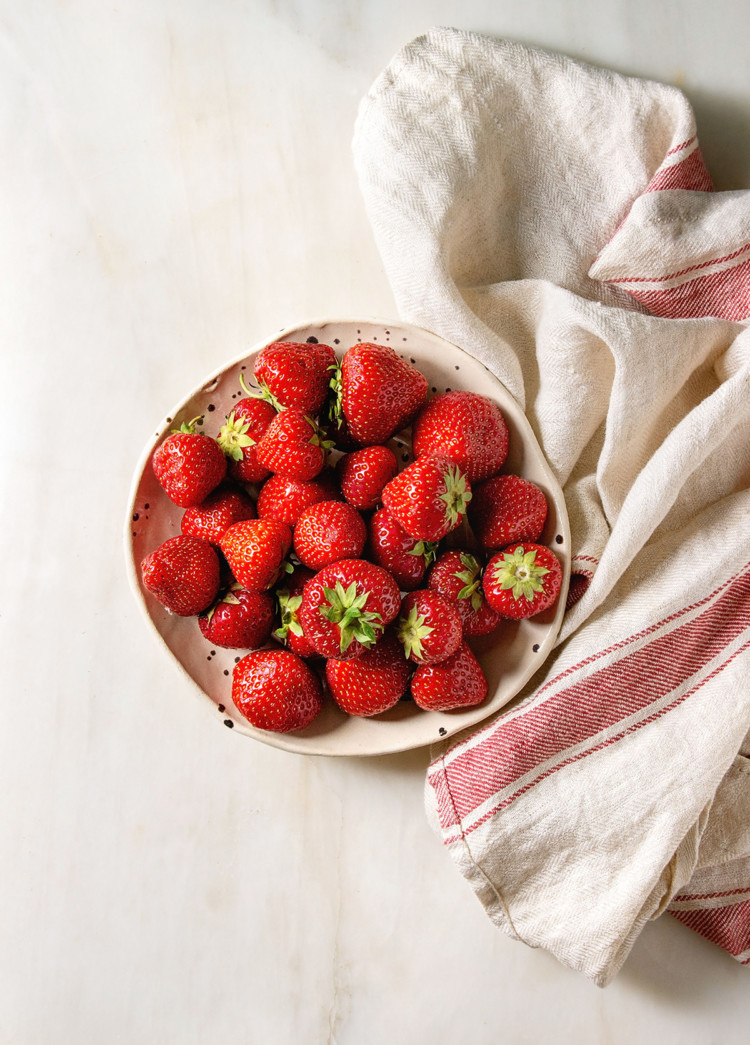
(558, 222)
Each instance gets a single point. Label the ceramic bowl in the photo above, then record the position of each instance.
(509, 656)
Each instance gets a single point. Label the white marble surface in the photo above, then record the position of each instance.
(176, 184)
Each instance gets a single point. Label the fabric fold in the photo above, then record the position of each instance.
(557, 221)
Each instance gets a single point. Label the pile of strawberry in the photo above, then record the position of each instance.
(368, 575)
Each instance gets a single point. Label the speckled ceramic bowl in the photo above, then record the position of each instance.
(509, 656)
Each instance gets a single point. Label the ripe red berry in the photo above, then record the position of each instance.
(240, 435)
(283, 498)
(183, 574)
(240, 619)
(256, 550)
(295, 375)
(380, 392)
(328, 531)
(372, 683)
(457, 575)
(457, 682)
(275, 690)
(223, 507)
(363, 474)
(347, 606)
(522, 580)
(429, 497)
(189, 465)
(289, 599)
(467, 427)
(428, 627)
(506, 509)
(293, 445)
(390, 546)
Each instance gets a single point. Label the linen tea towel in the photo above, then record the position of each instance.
(557, 222)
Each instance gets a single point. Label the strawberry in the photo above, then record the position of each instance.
(506, 509)
(346, 607)
(223, 507)
(275, 690)
(522, 580)
(457, 575)
(467, 427)
(428, 627)
(363, 473)
(189, 464)
(390, 546)
(457, 682)
(373, 682)
(183, 574)
(283, 498)
(429, 497)
(295, 375)
(240, 619)
(293, 445)
(379, 392)
(289, 599)
(328, 531)
(239, 437)
(255, 550)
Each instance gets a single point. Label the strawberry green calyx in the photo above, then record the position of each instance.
(519, 573)
(262, 392)
(456, 496)
(233, 437)
(411, 633)
(335, 411)
(288, 607)
(427, 549)
(189, 427)
(319, 437)
(471, 577)
(346, 607)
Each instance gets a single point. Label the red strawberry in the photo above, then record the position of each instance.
(293, 445)
(256, 550)
(467, 427)
(223, 507)
(363, 474)
(380, 392)
(346, 607)
(239, 438)
(328, 531)
(295, 375)
(506, 509)
(239, 620)
(189, 465)
(390, 546)
(457, 575)
(428, 627)
(183, 574)
(283, 498)
(373, 682)
(276, 691)
(429, 497)
(457, 682)
(522, 580)
(289, 599)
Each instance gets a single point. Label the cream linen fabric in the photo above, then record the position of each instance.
(555, 221)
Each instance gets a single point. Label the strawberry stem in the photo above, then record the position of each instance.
(519, 574)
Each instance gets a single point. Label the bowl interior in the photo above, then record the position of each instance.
(509, 656)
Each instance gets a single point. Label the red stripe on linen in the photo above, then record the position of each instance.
(690, 173)
(728, 927)
(683, 897)
(569, 717)
(724, 295)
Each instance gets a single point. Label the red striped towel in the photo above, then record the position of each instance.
(558, 222)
